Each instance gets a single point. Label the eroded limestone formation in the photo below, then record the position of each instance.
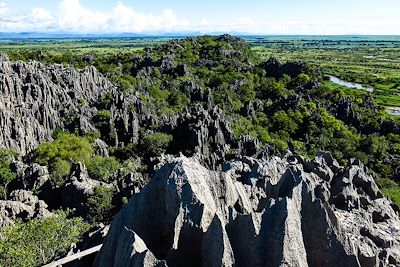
(275, 212)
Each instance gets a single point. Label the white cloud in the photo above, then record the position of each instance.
(41, 18)
(245, 21)
(36, 19)
(204, 22)
(3, 8)
(75, 17)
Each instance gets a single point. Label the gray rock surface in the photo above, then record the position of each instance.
(268, 212)
(35, 97)
(78, 188)
(22, 205)
(32, 177)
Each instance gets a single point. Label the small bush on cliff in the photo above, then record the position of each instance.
(59, 170)
(6, 175)
(38, 242)
(155, 144)
(101, 168)
(67, 147)
(390, 189)
(59, 154)
(102, 118)
(99, 205)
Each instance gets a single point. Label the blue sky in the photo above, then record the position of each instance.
(248, 16)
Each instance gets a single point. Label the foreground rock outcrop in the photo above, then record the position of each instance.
(275, 212)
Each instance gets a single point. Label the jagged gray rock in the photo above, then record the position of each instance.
(101, 148)
(131, 251)
(78, 188)
(35, 97)
(277, 212)
(32, 177)
(22, 205)
(94, 238)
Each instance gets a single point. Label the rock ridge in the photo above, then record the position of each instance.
(257, 212)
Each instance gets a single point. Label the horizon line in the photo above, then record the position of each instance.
(4, 35)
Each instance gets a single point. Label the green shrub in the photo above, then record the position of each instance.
(158, 94)
(105, 101)
(123, 153)
(155, 144)
(384, 170)
(270, 88)
(376, 146)
(92, 136)
(390, 189)
(6, 175)
(102, 118)
(282, 121)
(158, 98)
(300, 80)
(125, 82)
(177, 100)
(100, 205)
(101, 168)
(68, 147)
(243, 126)
(280, 145)
(59, 170)
(3, 192)
(61, 153)
(38, 242)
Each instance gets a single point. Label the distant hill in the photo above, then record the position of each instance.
(39, 35)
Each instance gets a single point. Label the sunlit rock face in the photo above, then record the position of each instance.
(267, 212)
(35, 99)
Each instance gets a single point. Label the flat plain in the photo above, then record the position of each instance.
(373, 61)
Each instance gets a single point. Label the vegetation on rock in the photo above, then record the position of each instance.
(211, 95)
(6, 174)
(38, 242)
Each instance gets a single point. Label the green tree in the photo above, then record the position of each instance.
(155, 144)
(102, 119)
(61, 153)
(101, 168)
(282, 121)
(68, 147)
(376, 146)
(100, 205)
(6, 175)
(177, 100)
(38, 242)
(390, 189)
(59, 170)
(92, 136)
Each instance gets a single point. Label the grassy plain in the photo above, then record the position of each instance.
(373, 61)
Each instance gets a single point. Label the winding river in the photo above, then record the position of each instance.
(395, 111)
(338, 81)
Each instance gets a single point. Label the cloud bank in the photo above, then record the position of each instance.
(72, 16)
